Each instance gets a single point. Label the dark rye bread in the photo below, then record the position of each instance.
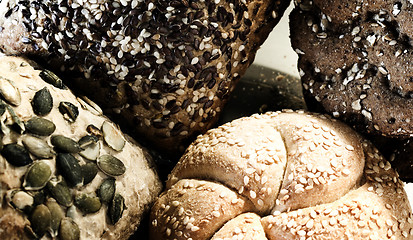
(164, 67)
(355, 61)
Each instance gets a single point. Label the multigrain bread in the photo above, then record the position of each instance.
(355, 62)
(305, 175)
(49, 160)
(164, 67)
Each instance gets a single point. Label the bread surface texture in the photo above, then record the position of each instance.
(77, 166)
(164, 68)
(355, 62)
(306, 176)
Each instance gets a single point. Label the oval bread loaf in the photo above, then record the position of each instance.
(282, 175)
(164, 67)
(65, 169)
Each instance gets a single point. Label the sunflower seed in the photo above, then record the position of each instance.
(111, 165)
(40, 220)
(38, 147)
(37, 176)
(42, 102)
(92, 107)
(17, 123)
(112, 136)
(20, 200)
(94, 130)
(52, 78)
(40, 126)
(89, 171)
(87, 203)
(69, 230)
(16, 155)
(107, 190)
(57, 214)
(116, 208)
(70, 169)
(69, 111)
(9, 92)
(65, 144)
(60, 191)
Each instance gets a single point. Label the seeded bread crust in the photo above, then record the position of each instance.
(139, 185)
(334, 184)
(355, 62)
(164, 67)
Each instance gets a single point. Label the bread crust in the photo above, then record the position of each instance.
(334, 184)
(168, 76)
(139, 185)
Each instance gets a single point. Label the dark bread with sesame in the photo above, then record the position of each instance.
(355, 62)
(305, 175)
(137, 183)
(165, 68)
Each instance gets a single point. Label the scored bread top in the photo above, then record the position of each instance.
(331, 183)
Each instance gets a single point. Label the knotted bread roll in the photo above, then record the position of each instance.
(282, 175)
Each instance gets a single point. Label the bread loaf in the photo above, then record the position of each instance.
(307, 176)
(164, 67)
(65, 169)
(355, 62)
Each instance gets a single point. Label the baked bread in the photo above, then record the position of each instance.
(355, 62)
(164, 67)
(65, 169)
(307, 176)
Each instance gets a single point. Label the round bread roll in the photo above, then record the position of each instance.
(66, 171)
(285, 175)
(355, 62)
(164, 67)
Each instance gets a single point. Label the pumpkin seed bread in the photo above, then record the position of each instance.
(66, 171)
(307, 176)
(164, 67)
(355, 61)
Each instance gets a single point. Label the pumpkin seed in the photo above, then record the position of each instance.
(112, 136)
(16, 155)
(37, 176)
(87, 203)
(40, 126)
(92, 129)
(9, 92)
(57, 214)
(42, 102)
(69, 230)
(38, 147)
(89, 171)
(60, 191)
(39, 197)
(65, 144)
(111, 165)
(87, 140)
(91, 152)
(70, 169)
(51, 78)
(69, 111)
(2, 108)
(116, 208)
(20, 200)
(107, 190)
(40, 220)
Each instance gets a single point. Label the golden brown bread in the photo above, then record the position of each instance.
(330, 184)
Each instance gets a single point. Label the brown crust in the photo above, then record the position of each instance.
(354, 58)
(197, 51)
(335, 183)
